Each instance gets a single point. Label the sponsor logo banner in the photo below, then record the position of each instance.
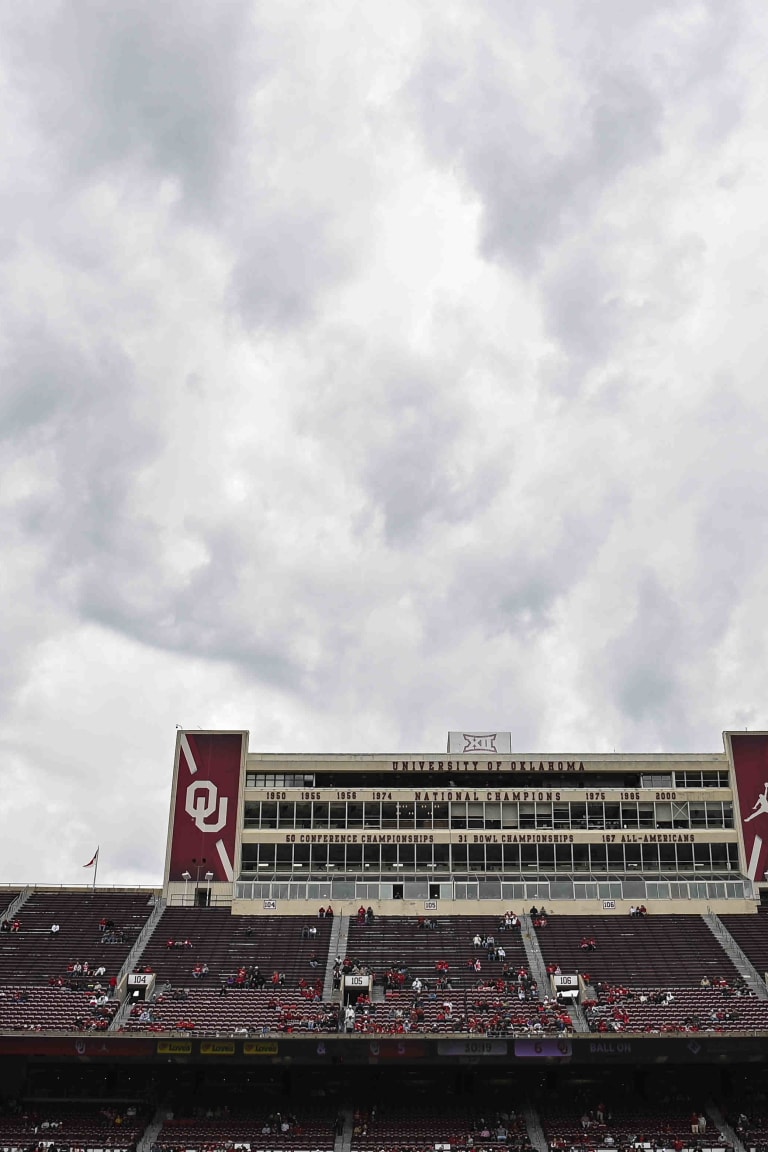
(174, 1047)
(750, 766)
(260, 1048)
(217, 1048)
(205, 811)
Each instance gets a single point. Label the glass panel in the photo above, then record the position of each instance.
(303, 815)
(423, 815)
(458, 815)
(269, 815)
(338, 815)
(509, 816)
(440, 815)
(372, 818)
(405, 814)
(544, 815)
(389, 815)
(475, 815)
(286, 815)
(493, 815)
(527, 815)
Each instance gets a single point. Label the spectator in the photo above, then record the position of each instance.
(55, 929)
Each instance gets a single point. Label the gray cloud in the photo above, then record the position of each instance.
(365, 375)
(113, 86)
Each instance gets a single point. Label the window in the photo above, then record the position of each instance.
(405, 814)
(354, 816)
(303, 815)
(286, 814)
(268, 815)
(544, 815)
(493, 815)
(372, 816)
(251, 814)
(440, 815)
(320, 815)
(527, 815)
(279, 780)
(459, 815)
(475, 815)
(509, 815)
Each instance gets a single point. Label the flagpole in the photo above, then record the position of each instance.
(95, 870)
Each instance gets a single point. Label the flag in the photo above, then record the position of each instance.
(91, 863)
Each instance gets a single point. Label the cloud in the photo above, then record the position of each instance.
(367, 372)
(116, 87)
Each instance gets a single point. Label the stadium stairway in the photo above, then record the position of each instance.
(722, 1125)
(536, 963)
(17, 902)
(151, 1132)
(132, 960)
(135, 953)
(535, 1131)
(343, 1142)
(541, 976)
(337, 946)
(741, 963)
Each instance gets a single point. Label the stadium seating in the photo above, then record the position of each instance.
(674, 951)
(422, 1127)
(646, 1125)
(74, 1125)
(692, 1010)
(226, 943)
(242, 1011)
(26, 1008)
(751, 934)
(33, 955)
(311, 1130)
(391, 942)
(472, 1010)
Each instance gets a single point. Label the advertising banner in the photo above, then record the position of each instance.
(207, 792)
(749, 756)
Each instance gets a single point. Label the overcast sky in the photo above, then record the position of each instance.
(370, 370)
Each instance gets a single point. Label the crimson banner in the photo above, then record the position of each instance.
(204, 829)
(750, 765)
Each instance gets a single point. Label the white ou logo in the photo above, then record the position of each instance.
(202, 801)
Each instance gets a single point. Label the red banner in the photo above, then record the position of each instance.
(750, 766)
(204, 830)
